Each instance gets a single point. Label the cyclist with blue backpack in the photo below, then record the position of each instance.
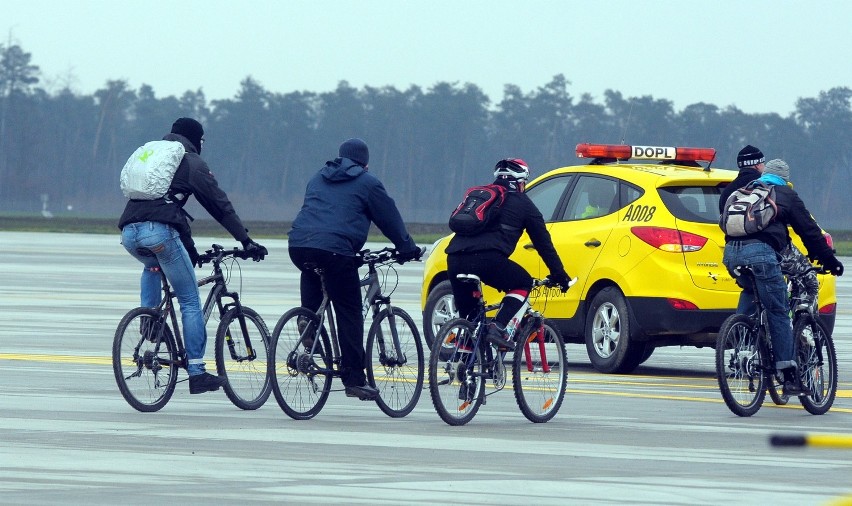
(761, 251)
(485, 253)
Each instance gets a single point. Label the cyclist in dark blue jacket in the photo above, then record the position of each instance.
(341, 200)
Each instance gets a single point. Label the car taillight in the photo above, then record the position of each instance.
(828, 309)
(670, 239)
(681, 304)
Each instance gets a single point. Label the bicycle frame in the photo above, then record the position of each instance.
(531, 327)
(218, 291)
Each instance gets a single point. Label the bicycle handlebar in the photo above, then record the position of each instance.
(219, 253)
(384, 256)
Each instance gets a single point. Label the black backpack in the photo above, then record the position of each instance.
(478, 210)
(749, 209)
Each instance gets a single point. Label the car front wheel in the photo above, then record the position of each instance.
(440, 308)
(610, 335)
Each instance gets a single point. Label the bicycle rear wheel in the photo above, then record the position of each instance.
(817, 361)
(739, 366)
(295, 364)
(456, 373)
(399, 379)
(145, 366)
(241, 357)
(539, 373)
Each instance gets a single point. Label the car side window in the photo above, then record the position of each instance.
(547, 194)
(592, 197)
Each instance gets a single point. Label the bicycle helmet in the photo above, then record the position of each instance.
(513, 168)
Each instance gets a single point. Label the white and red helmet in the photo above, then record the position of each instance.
(513, 168)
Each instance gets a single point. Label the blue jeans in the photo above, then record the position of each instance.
(172, 258)
(772, 290)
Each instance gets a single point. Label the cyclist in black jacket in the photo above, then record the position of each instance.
(487, 254)
(161, 227)
(762, 252)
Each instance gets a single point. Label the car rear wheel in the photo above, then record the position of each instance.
(610, 335)
(440, 308)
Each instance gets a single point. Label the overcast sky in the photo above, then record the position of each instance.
(758, 55)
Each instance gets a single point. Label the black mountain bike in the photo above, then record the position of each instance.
(148, 349)
(745, 362)
(462, 361)
(305, 353)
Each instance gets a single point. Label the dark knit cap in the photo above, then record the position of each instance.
(355, 150)
(749, 156)
(191, 129)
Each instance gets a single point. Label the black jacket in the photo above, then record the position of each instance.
(192, 177)
(518, 213)
(791, 211)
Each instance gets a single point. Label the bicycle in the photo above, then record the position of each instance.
(745, 362)
(461, 361)
(306, 353)
(148, 350)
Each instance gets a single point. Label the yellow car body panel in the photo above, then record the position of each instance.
(606, 250)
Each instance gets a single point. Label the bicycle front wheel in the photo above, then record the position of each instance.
(300, 364)
(817, 361)
(242, 341)
(739, 366)
(456, 373)
(145, 359)
(539, 373)
(397, 376)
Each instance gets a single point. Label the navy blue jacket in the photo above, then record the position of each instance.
(340, 202)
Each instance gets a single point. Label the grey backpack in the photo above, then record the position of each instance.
(749, 209)
(148, 173)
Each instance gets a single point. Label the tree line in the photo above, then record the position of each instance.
(62, 151)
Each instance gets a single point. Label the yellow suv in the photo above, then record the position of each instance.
(638, 225)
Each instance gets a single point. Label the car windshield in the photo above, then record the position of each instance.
(698, 204)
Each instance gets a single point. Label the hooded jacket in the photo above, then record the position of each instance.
(341, 200)
(518, 213)
(791, 211)
(192, 177)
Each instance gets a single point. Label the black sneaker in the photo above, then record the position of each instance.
(791, 385)
(205, 382)
(499, 337)
(467, 390)
(792, 388)
(363, 392)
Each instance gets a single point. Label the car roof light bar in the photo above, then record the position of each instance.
(665, 153)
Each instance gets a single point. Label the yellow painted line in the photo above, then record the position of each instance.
(77, 359)
(90, 360)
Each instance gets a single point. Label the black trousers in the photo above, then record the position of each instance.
(342, 283)
(495, 270)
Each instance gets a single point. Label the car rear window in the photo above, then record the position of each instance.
(698, 204)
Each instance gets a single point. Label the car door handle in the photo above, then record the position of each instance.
(593, 242)
(529, 245)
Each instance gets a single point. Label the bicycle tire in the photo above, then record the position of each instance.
(539, 373)
(144, 381)
(400, 382)
(300, 389)
(739, 366)
(775, 387)
(248, 385)
(455, 373)
(817, 365)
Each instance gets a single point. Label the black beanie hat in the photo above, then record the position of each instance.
(355, 150)
(749, 156)
(191, 129)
